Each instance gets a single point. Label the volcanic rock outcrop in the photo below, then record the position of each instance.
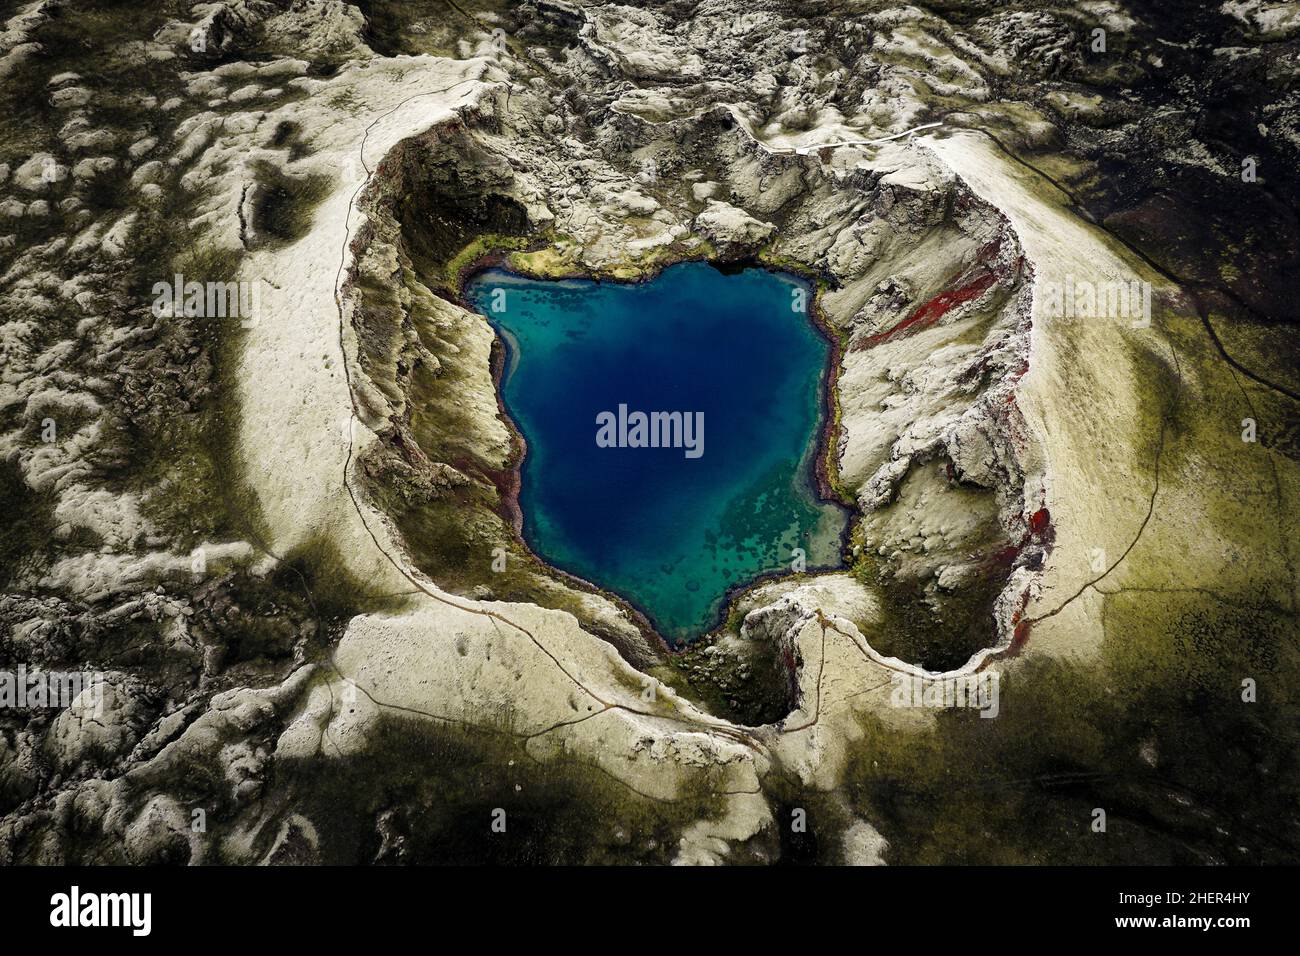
(270, 535)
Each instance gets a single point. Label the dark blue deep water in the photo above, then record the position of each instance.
(670, 529)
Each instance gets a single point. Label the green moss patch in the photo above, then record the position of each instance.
(429, 792)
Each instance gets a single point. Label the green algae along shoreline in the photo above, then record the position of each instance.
(518, 258)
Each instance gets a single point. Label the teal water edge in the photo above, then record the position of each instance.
(668, 510)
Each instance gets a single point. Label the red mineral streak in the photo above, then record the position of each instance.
(932, 311)
(977, 280)
(1007, 555)
(1018, 636)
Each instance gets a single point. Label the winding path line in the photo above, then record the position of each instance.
(733, 732)
(726, 730)
(1202, 310)
(1179, 280)
(1164, 421)
(730, 731)
(809, 150)
(1203, 313)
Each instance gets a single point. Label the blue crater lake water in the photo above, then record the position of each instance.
(669, 528)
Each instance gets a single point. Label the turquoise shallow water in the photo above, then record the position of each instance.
(669, 528)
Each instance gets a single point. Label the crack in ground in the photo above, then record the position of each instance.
(1277, 490)
(1151, 506)
(1173, 277)
(1202, 312)
(734, 734)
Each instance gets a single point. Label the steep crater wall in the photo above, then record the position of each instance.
(921, 285)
